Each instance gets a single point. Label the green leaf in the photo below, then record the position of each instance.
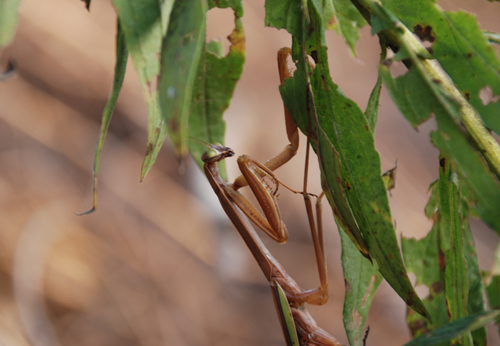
(8, 20)
(284, 14)
(371, 112)
(433, 202)
(401, 40)
(293, 93)
(120, 68)
(456, 280)
(361, 280)
(143, 24)
(180, 56)
(461, 49)
(425, 259)
(417, 95)
(492, 290)
(285, 315)
(349, 132)
(350, 135)
(476, 302)
(215, 83)
(341, 15)
(349, 22)
(456, 329)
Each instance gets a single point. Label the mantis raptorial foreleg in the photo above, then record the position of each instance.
(292, 130)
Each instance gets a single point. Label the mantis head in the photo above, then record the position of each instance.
(216, 152)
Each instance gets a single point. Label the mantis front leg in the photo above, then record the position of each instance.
(292, 130)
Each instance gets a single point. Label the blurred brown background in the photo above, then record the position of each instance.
(159, 263)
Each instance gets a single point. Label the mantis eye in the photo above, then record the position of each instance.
(209, 154)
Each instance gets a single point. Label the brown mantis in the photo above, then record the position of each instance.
(299, 328)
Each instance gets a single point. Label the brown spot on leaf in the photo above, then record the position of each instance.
(153, 84)
(347, 185)
(424, 33)
(237, 39)
(419, 326)
(442, 162)
(469, 55)
(436, 81)
(174, 125)
(442, 260)
(314, 55)
(347, 286)
(437, 287)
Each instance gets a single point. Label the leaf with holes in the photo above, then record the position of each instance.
(418, 94)
(461, 48)
(215, 83)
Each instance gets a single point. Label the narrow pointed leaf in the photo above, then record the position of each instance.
(293, 93)
(349, 133)
(142, 24)
(180, 56)
(285, 315)
(455, 329)
(456, 280)
(120, 68)
(425, 259)
(371, 112)
(493, 289)
(362, 279)
(476, 301)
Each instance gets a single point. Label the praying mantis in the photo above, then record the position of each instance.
(299, 328)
